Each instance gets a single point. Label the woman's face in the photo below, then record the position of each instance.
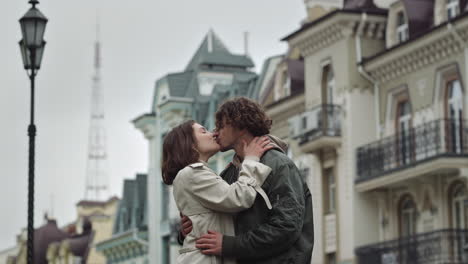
(206, 143)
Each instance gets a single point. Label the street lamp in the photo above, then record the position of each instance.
(32, 45)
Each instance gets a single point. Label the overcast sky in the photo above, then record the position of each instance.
(141, 40)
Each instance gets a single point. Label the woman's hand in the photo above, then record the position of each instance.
(257, 146)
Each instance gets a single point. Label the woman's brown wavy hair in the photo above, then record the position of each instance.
(178, 151)
(244, 113)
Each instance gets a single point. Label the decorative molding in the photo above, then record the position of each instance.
(337, 28)
(415, 56)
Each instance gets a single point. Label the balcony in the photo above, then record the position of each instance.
(317, 128)
(434, 147)
(443, 246)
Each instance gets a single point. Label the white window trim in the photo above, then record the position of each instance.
(402, 33)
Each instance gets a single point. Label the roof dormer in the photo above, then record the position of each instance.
(408, 19)
(445, 10)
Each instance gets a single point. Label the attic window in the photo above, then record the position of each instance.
(402, 27)
(453, 8)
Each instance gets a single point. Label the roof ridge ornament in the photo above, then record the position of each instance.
(210, 41)
(33, 3)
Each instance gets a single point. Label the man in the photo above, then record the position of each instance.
(283, 234)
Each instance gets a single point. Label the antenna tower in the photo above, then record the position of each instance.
(96, 188)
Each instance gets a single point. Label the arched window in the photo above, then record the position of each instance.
(453, 8)
(402, 27)
(403, 129)
(454, 112)
(407, 215)
(459, 206)
(458, 198)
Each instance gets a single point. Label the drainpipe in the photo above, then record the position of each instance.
(139, 240)
(366, 75)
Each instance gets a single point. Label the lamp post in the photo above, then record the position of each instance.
(33, 25)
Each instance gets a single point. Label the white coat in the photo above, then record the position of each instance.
(209, 202)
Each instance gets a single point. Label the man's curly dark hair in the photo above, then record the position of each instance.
(244, 113)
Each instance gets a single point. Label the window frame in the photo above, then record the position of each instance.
(402, 28)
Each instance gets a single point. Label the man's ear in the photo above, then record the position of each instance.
(242, 132)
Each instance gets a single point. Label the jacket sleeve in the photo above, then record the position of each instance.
(283, 225)
(214, 193)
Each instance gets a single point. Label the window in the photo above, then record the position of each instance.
(459, 207)
(454, 125)
(328, 84)
(453, 8)
(330, 190)
(404, 136)
(459, 212)
(407, 217)
(402, 27)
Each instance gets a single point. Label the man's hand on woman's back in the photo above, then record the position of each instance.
(186, 224)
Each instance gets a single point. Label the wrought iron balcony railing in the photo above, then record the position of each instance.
(443, 246)
(439, 138)
(322, 120)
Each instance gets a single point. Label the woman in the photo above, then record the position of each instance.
(200, 193)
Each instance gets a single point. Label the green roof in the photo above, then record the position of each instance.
(213, 51)
(178, 83)
(132, 208)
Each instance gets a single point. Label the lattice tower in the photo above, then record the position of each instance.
(96, 175)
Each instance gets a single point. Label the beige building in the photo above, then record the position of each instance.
(379, 129)
(72, 243)
(102, 217)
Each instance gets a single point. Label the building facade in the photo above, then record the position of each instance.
(54, 245)
(129, 240)
(102, 215)
(379, 129)
(212, 75)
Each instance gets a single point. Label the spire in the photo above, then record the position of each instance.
(210, 41)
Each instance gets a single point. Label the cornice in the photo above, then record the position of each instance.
(289, 103)
(427, 50)
(336, 28)
(146, 124)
